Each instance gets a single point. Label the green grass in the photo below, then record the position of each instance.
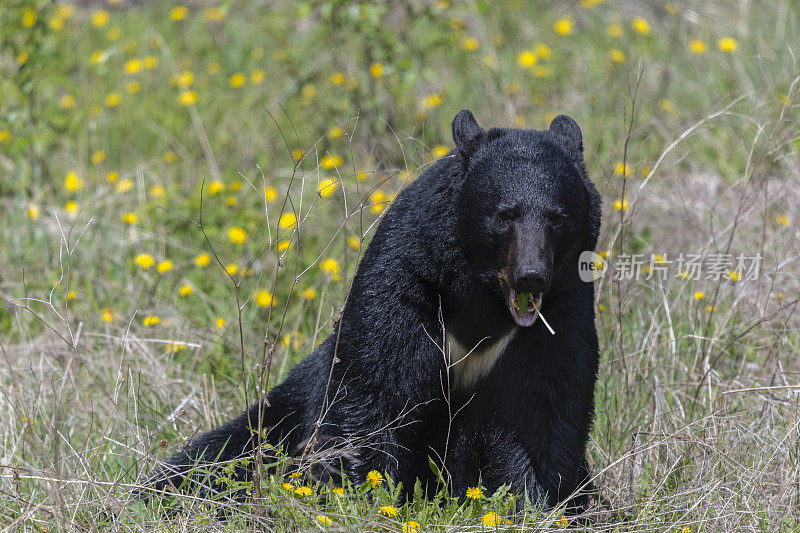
(697, 406)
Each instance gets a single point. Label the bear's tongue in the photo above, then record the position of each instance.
(524, 307)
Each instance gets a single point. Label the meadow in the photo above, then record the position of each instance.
(186, 190)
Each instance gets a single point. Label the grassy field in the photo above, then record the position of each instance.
(185, 191)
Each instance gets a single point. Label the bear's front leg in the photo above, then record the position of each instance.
(491, 456)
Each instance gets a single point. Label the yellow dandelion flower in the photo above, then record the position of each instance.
(564, 26)
(431, 101)
(28, 17)
(326, 187)
(231, 201)
(150, 62)
(22, 58)
(388, 510)
(339, 491)
(107, 315)
(257, 76)
(132, 87)
(526, 58)
(727, 44)
(216, 187)
(474, 493)
(71, 295)
(33, 211)
(221, 323)
(64, 11)
(5, 136)
(287, 486)
(67, 101)
(308, 91)
(113, 99)
(179, 13)
(71, 207)
(615, 31)
(264, 299)
(298, 153)
(640, 25)
(174, 347)
(354, 243)
(270, 194)
(324, 520)
(73, 182)
(295, 475)
(124, 185)
(377, 202)
(202, 260)
(491, 520)
(329, 162)
(130, 218)
(733, 275)
(331, 267)
(469, 44)
(439, 151)
(337, 78)
(237, 235)
(620, 205)
(336, 132)
(287, 220)
(699, 295)
(185, 290)
(100, 18)
(164, 266)
(309, 294)
(562, 522)
(157, 191)
(283, 245)
(375, 478)
(112, 176)
(56, 23)
(170, 157)
(237, 80)
(616, 55)
(183, 79)
(232, 269)
(187, 98)
(782, 220)
(150, 320)
(621, 169)
(304, 491)
(216, 14)
(686, 529)
(601, 307)
(698, 46)
(666, 106)
(376, 70)
(132, 66)
(411, 527)
(542, 50)
(98, 157)
(144, 260)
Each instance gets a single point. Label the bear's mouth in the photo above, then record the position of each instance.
(524, 307)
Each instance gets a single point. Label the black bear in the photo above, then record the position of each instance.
(441, 352)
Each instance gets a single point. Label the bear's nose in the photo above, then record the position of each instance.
(531, 280)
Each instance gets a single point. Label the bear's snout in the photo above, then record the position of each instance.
(532, 279)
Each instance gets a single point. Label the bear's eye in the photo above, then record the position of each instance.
(556, 217)
(507, 215)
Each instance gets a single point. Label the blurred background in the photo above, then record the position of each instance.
(186, 189)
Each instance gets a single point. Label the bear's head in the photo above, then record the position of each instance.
(526, 210)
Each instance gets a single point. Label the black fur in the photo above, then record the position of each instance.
(446, 254)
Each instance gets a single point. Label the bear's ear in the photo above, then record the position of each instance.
(569, 133)
(466, 132)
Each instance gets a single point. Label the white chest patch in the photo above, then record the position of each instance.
(470, 364)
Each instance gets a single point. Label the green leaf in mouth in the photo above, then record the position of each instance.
(523, 300)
